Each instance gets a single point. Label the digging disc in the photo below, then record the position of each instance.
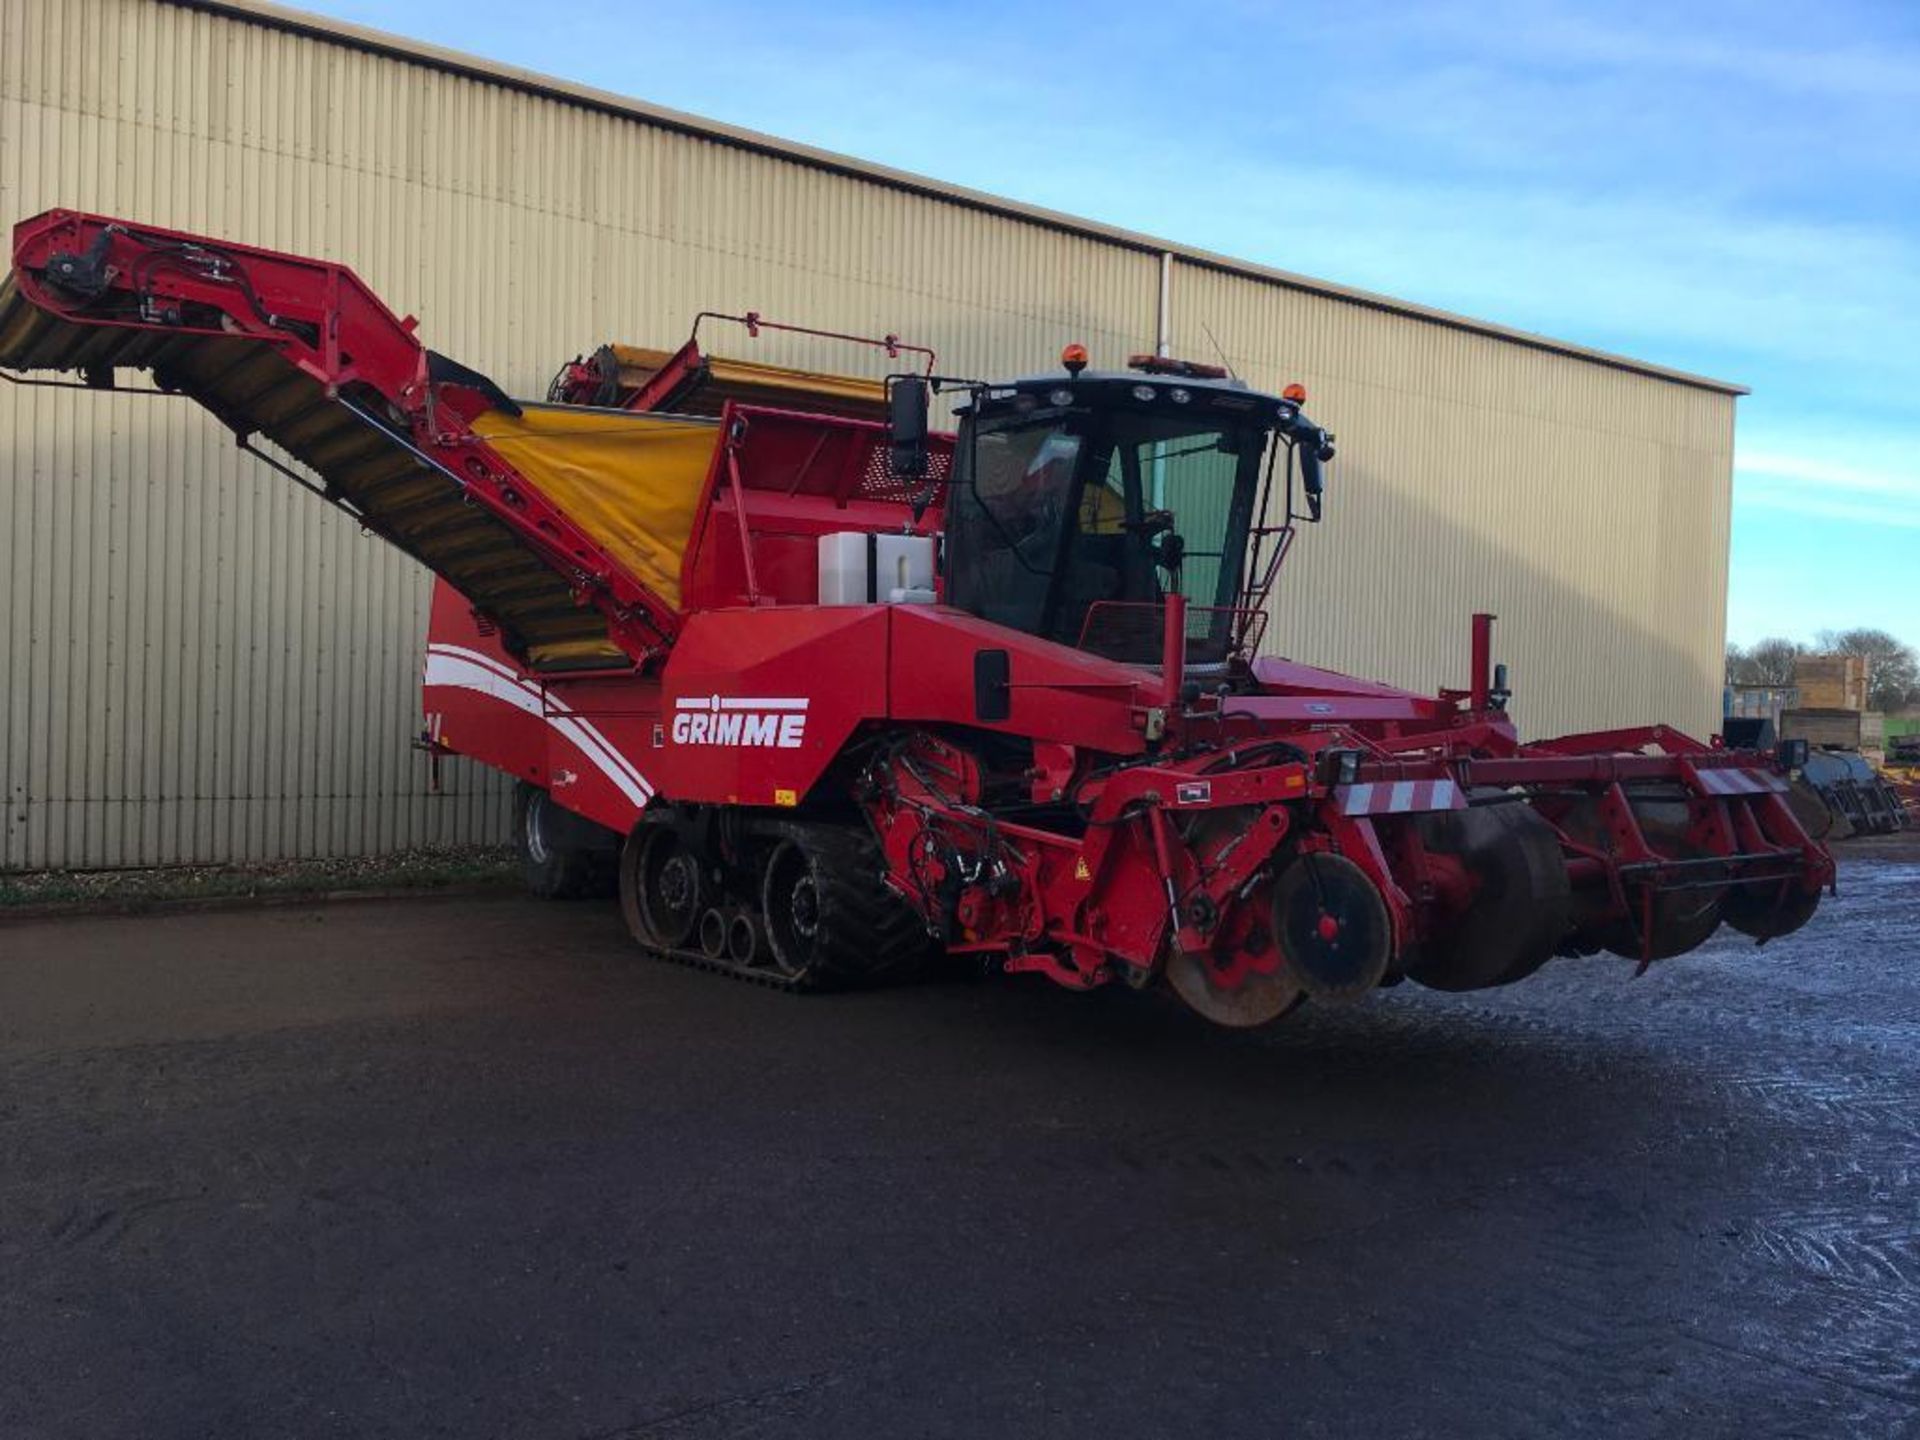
(1682, 919)
(1522, 905)
(1764, 913)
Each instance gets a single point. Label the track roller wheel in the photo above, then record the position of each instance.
(1522, 904)
(1333, 927)
(1768, 911)
(829, 920)
(661, 888)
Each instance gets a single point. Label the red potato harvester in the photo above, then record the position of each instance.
(834, 693)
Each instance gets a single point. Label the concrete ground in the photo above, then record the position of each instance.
(473, 1168)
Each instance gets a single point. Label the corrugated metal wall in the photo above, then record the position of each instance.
(200, 663)
(1586, 506)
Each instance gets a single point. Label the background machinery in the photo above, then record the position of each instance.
(834, 693)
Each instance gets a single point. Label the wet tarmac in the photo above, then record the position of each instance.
(459, 1167)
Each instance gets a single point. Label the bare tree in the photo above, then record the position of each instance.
(1770, 661)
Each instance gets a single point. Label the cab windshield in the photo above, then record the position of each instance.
(1076, 525)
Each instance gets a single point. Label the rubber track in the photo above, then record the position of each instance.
(876, 937)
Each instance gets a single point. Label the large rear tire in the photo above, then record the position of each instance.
(558, 856)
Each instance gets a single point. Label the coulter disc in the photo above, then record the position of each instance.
(1243, 982)
(1229, 993)
(1333, 926)
(1522, 904)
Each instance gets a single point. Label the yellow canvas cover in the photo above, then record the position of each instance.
(632, 482)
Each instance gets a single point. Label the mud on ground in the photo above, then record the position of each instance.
(471, 1167)
(38, 892)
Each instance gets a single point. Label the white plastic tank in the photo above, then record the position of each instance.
(859, 568)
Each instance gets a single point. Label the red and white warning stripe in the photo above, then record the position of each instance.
(1400, 797)
(465, 669)
(1739, 782)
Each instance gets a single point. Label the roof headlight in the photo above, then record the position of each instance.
(1062, 396)
(1145, 392)
(1179, 395)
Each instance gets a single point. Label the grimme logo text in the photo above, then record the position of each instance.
(751, 720)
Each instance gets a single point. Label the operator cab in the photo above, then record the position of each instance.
(1081, 501)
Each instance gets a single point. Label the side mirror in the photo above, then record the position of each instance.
(907, 404)
(1312, 481)
(1316, 448)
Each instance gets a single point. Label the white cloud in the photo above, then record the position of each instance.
(1873, 492)
(1829, 474)
(1826, 507)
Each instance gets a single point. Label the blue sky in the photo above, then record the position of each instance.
(1730, 189)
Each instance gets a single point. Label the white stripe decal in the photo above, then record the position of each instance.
(1402, 797)
(1723, 781)
(552, 705)
(465, 675)
(607, 749)
(466, 670)
(705, 702)
(1443, 794)
(485, 662)
(1359, 797)
(590, 743)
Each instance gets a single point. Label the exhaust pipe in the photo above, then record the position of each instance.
(713, 935)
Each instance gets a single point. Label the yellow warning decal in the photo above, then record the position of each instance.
(1080, 870)
(785, 797)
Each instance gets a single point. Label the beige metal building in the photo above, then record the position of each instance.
(197, 662)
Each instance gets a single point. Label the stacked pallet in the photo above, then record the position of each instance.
(1832, 682)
